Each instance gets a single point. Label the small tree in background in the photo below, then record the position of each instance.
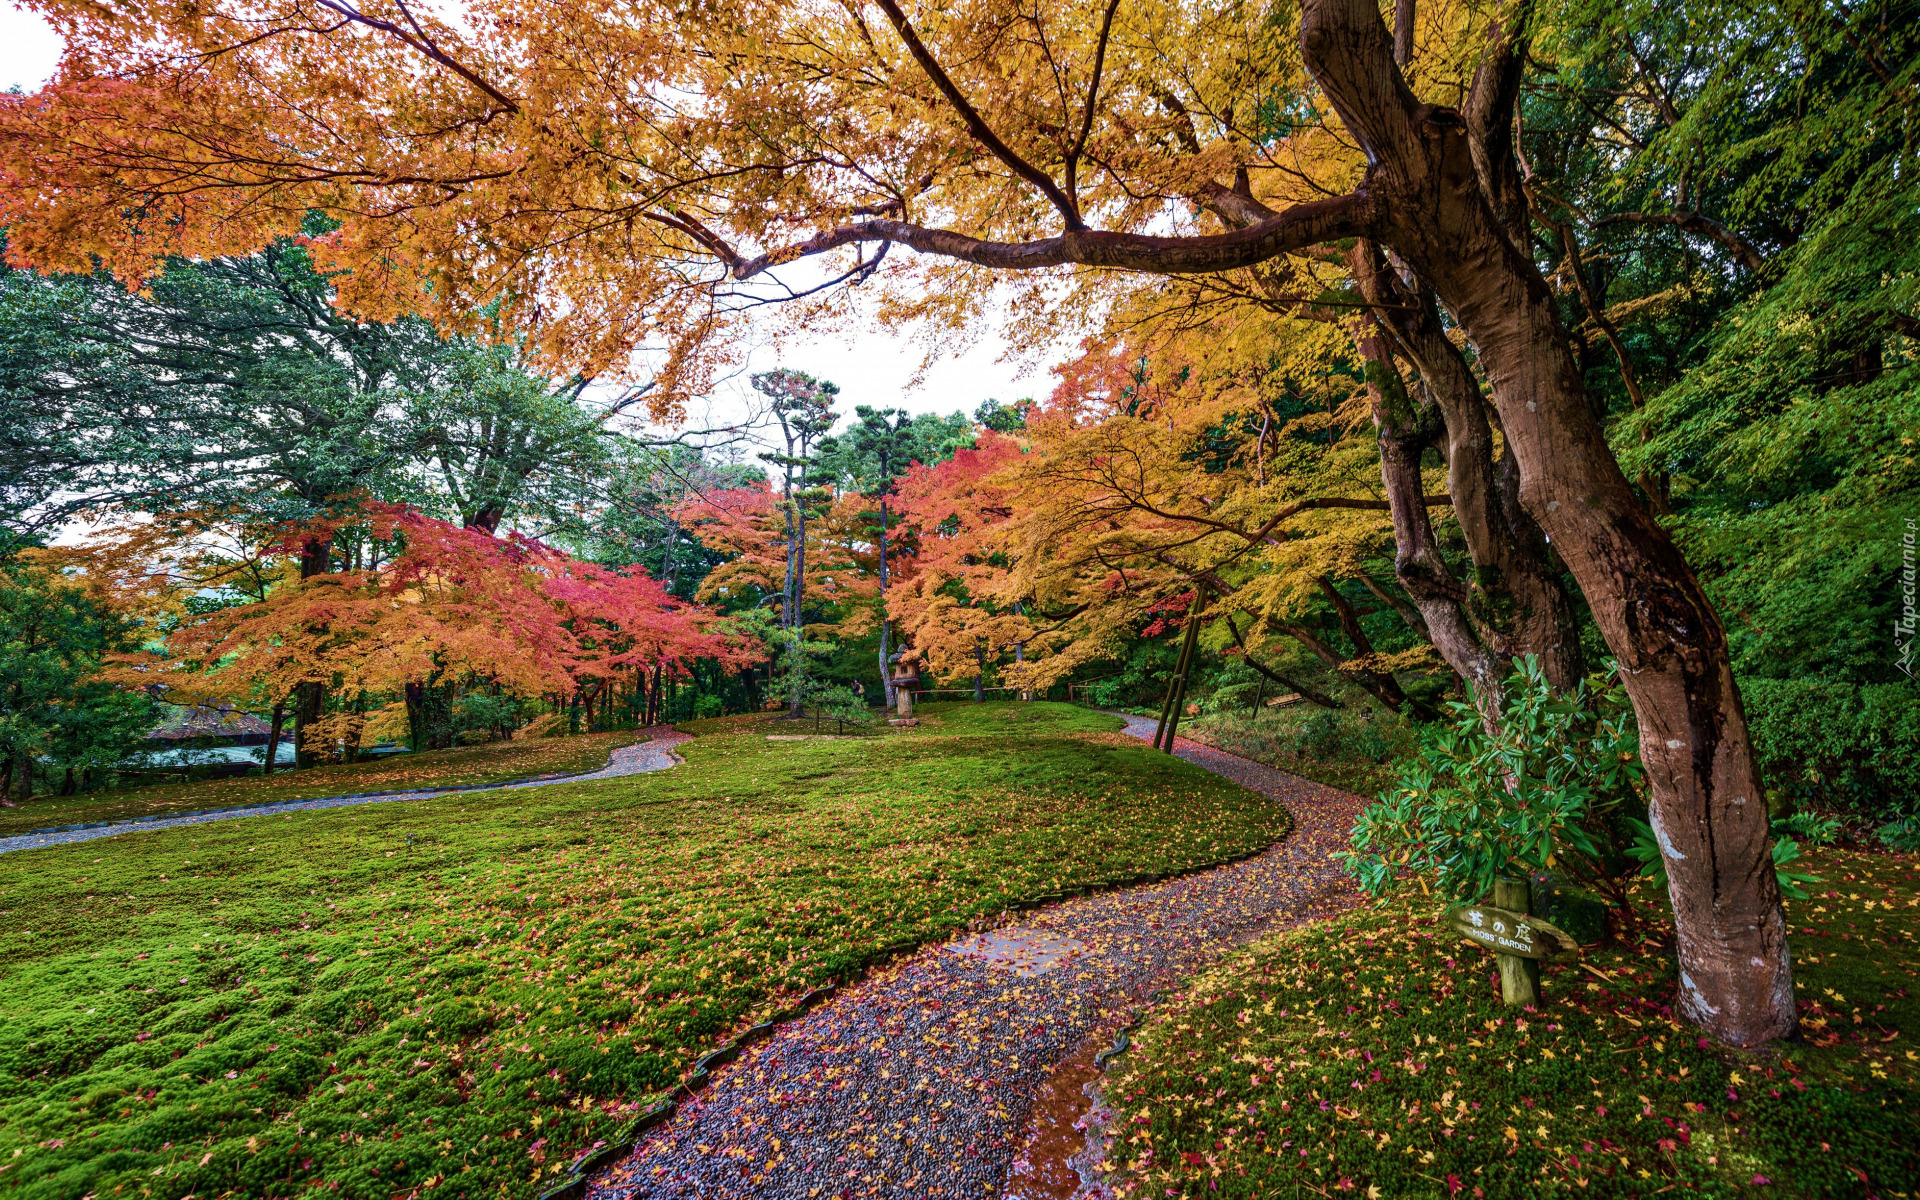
(803, 407)
(58, 717)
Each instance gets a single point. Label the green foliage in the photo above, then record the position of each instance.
(837, 702)
(1838, 744)
(1542, 794)
(234, 383)
(1808, 827)
(307, 1003)
(879, 445)
(485, 711)
(1902, 835)
(1142, 678)
(1369, 1054)
(1003, 418)
(57, 721)
(1748, 207)
(1357, 748)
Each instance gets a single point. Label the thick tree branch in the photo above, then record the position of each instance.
(420, 41)
(1353, 215)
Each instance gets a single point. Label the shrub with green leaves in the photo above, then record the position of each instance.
(1837, 744)
(1902, 835)
(1809, 827)
(1544, 793)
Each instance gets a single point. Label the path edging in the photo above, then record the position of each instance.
(627, 1139)
(423, 792)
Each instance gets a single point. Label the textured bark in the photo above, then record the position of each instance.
(1404, 432)
(310, 697)
(1707, 807)
(1653, 489)
(1512, 603)
(273, 735)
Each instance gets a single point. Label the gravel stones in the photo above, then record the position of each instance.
(918, 1082)
(653, 755)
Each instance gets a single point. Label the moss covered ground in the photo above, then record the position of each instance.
(1371, 1054)
(465, 766)
(455, 996)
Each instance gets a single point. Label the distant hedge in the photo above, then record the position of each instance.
(1838, 744)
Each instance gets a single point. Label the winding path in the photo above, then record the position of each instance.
(920, 1082)
(655, 754)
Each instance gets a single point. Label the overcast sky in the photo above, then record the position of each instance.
(874, 369)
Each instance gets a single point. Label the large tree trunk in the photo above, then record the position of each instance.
(1513, 603)
(1404, 432)
(1735, 976)
(310, 696)
(273, 735)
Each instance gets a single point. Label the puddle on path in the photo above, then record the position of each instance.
(1027, 951)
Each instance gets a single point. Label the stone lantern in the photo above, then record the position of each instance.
(905, 677)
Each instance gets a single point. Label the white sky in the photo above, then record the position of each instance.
(875, 368)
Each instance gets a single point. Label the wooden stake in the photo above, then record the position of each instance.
(1519, 977)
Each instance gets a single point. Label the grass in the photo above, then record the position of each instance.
(299, 1005)
(1371, 1054)
(1354, 749)
(494, 762)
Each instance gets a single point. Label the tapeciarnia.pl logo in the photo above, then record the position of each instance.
(1903, 625)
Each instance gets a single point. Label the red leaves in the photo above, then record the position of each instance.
(443, 600)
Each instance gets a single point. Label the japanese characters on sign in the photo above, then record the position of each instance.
(1505, 932)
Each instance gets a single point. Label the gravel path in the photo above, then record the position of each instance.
(919, 1082)
(655, 754)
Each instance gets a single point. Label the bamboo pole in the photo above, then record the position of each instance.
(1177, 686)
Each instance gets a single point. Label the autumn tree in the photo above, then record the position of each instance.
(869, 458)
(1150, 139)
(956, 600)
(432, 601)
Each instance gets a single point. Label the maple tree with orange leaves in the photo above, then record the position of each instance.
(431, 604)
(618, 176)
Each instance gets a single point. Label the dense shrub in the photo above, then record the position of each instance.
(1356, 748)
(1838, 745)
(1547, 792)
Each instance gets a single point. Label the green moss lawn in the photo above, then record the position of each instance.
(281, 1006)
(1370, 1055)
(465, 766)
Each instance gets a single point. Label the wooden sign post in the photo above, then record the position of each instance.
(1518, 939)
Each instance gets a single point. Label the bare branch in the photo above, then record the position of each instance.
(1093, 100)
(1744, 252)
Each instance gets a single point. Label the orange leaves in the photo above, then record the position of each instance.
(952, 597)
(446, 601)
